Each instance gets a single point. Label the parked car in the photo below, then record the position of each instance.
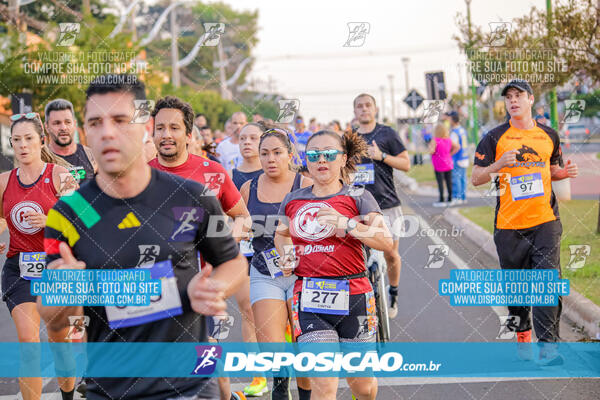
(578, 132)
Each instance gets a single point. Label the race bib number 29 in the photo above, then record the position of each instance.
(32, 265)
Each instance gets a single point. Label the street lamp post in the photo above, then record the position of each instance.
(382, 105)
(474, 118)
(391, 78)
(176, 79)
(405, 61)
(553, 100)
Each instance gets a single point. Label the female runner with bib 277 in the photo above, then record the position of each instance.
(328, 225)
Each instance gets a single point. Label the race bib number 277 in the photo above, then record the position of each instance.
(325, 296)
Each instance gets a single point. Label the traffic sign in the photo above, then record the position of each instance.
(436, 88)
(408, 121)
(482, 86)
(414, 99)
(480, 90)
(21, 103)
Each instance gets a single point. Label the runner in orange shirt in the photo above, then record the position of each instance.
(527, 226)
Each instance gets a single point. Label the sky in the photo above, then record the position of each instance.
(301, 48)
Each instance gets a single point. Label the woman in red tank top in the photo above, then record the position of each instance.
(28, 193)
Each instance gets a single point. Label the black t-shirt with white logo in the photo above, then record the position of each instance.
(166, 224)
(82, 168)
(383, 188)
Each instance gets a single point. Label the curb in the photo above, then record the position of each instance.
(578, 308)
(432, 191)
(477, 234)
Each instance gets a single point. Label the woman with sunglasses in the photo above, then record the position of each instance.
(322, 241)
(28, 193)
(270, 291)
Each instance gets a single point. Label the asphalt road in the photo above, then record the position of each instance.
(423, 316)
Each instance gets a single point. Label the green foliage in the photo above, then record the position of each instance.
(78, 60)
(267, 109)
(572, 45)
(46, 11)
(579, 224)
(209, 103)
(24, 65)
(238, 40)
(592, 103)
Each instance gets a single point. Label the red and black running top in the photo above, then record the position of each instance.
(324, 251)
(20, 199)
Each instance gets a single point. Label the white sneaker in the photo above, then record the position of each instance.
(440, 204)
(549, 355)
(393, 307)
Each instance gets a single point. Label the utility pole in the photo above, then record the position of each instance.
(175, 78)
(133, 27)
(553, 106)
(409, 111)
(382, 105)
(474, 123)
(490, 102)
(405, 61)
(86, 8)
(460, 79)
(225, 93)
(391, 78)
(13, 13)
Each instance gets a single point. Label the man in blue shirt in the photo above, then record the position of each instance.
(300, 138)
(460, 159)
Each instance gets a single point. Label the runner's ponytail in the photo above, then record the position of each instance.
(51, 158)
(356, 149)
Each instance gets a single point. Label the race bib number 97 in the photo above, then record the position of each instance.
(526, 186)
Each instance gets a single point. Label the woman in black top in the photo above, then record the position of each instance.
(270, 292)
(250, 167)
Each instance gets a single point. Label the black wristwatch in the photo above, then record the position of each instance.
(351, 225)
(383, 156)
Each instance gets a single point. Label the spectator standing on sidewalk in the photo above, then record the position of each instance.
(442, 149)
(460, 159)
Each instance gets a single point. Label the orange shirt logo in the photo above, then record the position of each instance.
(527, 157)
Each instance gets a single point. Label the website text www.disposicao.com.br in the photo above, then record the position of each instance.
(370, 361)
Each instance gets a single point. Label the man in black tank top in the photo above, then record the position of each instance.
(61, 124)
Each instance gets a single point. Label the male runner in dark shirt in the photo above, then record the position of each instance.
(111, 222)
(386, 153)
(61, 124)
